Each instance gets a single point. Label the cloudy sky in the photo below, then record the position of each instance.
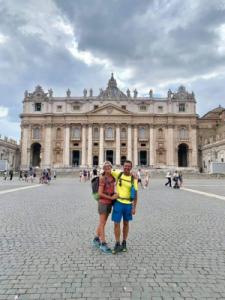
(76, 44)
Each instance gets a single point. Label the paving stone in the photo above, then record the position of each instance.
(175, 245)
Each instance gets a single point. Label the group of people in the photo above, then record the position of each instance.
(46, 176)
(27, 175)
(86, 175)
(117, 193)
(175, 180)
(6, 174)
(143, 178)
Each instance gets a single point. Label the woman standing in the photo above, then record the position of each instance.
(106, 194)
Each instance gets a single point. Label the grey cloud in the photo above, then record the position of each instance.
(113, 30)
(160, 40)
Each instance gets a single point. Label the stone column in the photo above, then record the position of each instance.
(101, 146)
(66, 156)
(152, 146)
(24, 156)
(170, 151)
(83, 158)
(135, 162)
(194, 156)
(90, 143)
(48, 146)
(129, 143)
(117, 145)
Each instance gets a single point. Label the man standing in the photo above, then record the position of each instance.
(125, 205)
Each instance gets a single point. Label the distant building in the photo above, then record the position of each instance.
(63, 132)
(211, 138)
(9, 154)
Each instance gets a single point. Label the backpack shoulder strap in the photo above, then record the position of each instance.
(132, 180)
(118, 178)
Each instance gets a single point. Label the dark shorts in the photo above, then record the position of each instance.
(139, 179)
(121, 210)
(104, 208)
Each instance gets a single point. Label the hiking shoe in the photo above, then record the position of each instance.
(105, 249)
(117, 248)
(124, 246)
(96, 242)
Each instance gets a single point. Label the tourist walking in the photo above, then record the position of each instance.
(175, 179)
(11, 174)
(5, 175)
(125, 205)
(139, 177)
(146, 179)
(169, 179)
(180, 178)
(106, 194)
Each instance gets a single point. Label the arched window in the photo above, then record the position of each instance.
(123, 133)
(58, 133)
(109, 133)
(142, 133)
(36, 133)
(96, 133)
(160, 133)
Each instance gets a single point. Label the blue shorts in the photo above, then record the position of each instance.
(121, 210)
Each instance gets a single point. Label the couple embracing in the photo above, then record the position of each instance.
(118, 192)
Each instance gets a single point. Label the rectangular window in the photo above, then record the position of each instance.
(143, 108)
(59, 107)
(95, 144)
(37, 106)
(76, 107)
(181, 107)
(123, 144)
(75, 133)
(143, 145)
(123, 107)
(36, 133)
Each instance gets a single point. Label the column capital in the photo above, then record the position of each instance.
(48, 125)
(170, 126)
(194, 126)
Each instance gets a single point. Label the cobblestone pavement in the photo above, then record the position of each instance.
(176, 246)
(209, 186)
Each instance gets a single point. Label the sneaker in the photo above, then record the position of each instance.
(105, 249)
(124, 246)
(117, 248)
(96, 242)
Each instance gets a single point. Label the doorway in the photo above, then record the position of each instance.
(95, 160)
(183, 155)
(143, 158)
(36, 155)
(109, 156)
(75, 158)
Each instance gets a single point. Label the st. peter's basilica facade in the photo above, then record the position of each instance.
(64, 132)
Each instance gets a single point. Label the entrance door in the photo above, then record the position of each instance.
(143, 158)
(36, 155)
(123, 159)
(76, 158)
(95, 160)
(109, 155)
(183, 155)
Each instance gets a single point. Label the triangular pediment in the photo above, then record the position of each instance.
(109, 109)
